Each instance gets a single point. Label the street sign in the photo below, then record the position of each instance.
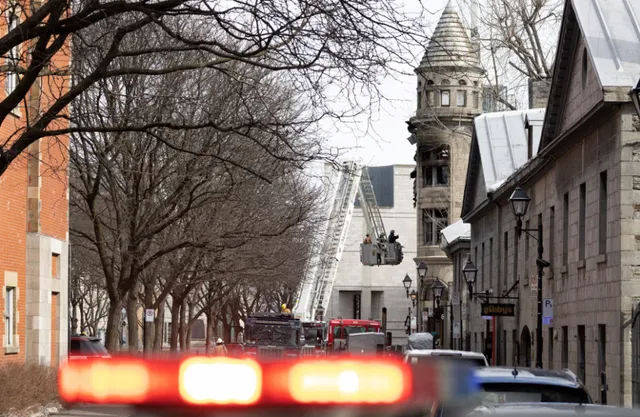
(456, 330)
(547, 311)
(149, 315)
(455, 298)
(413, 324)
(498, 309)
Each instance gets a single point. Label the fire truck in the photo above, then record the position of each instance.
(340, 328)
(273, 335)
(315, 334)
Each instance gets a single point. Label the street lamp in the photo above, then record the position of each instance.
(422, 273)
(635, 97)
(470, 272)
(414, 297)
(407, 283)
(437, 289)
(520, 203)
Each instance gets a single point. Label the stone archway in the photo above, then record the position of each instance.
(525, 348)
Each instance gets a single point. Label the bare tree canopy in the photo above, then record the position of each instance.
(312, 44)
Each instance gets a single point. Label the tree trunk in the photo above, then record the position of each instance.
(175, 324)
(183, 327)
(209, 331)
(112, 337)
(132, 320)
(81, 317)
(149, 327)
(191, 322)
(158, 336)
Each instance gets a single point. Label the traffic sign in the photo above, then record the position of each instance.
(533, 283)
(456, 330)
(149, 315)
(547, 311)
(455, 298)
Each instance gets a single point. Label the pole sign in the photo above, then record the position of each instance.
(149, 315)
(498, 310)
(413, 324)
(456, 330)
(547, 311)
(455, 298)
(533, 283)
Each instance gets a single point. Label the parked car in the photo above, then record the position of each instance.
(553, 409)
(502, 385)
(471, 358)
(84, 347)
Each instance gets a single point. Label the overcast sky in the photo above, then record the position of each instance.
(382, 140)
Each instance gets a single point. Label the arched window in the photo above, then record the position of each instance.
(475, 84)
(430, 82)
(446, 81)
(462, 82)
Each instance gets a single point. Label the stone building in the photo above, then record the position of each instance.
(449, 96)
(362, 291)
(579, 165)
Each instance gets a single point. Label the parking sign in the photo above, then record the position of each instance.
(547, 311)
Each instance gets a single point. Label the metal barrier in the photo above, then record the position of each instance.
(270, 352)
(308, 351)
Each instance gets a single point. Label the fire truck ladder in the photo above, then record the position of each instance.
(318, 291)
(370, 207)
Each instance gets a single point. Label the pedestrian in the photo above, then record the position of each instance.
(367, 239)
(220, 349)
(393, 237)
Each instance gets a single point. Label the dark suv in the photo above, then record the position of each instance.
(83, 347)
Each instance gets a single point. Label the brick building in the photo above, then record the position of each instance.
(34, 241)
(579, 165)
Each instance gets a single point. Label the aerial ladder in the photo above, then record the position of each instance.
(350, 181)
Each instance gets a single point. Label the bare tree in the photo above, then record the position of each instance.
(345, 44)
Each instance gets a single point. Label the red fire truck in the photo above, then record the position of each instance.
(340, 328)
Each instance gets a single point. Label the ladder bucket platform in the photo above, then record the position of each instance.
(375, 255)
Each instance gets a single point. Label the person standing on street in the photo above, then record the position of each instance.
(220, 349)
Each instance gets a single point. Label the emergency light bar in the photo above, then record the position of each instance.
(224, 382)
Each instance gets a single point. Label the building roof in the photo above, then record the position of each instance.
(499, 147)
(455, 231)
(450, 47)
(611, 30)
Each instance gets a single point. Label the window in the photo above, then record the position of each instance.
(430, 98)
(12, 80)
(565, 347)
(482, 271)
(435, 166)
(419, 100)
(565, 229)
(461, 98)
(602, 215)
(9, 315)
(433, 221)
(462, 82)
(476, 100)
(581, 354)
(505, 259)
(55, 265)
(444, 98)
(602, 351)
(550, 348)
(583, 220)
(552, 234)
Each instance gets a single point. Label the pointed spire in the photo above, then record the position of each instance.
(450, 45)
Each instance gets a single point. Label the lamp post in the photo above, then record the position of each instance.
(436, 289)
(520, 203)
(406, 282)
(422, 273)
(469, 271)
(414, 297)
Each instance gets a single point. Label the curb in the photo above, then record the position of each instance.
(37, 411)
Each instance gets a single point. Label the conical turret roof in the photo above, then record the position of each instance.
(449, 45)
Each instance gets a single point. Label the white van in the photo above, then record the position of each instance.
(473, 358)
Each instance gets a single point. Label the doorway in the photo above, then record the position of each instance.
(525, 347)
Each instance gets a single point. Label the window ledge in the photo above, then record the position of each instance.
(581, 264)
(602, 258)
(564, 269)
(11, 350)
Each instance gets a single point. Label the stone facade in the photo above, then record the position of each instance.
(583, 186)
(449, 96)
(378, 286)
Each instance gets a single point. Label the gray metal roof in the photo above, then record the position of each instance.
(457, 230)
(611, 29)
(449, 45)
(502, 141)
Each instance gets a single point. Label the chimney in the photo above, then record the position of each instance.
(539, 93)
